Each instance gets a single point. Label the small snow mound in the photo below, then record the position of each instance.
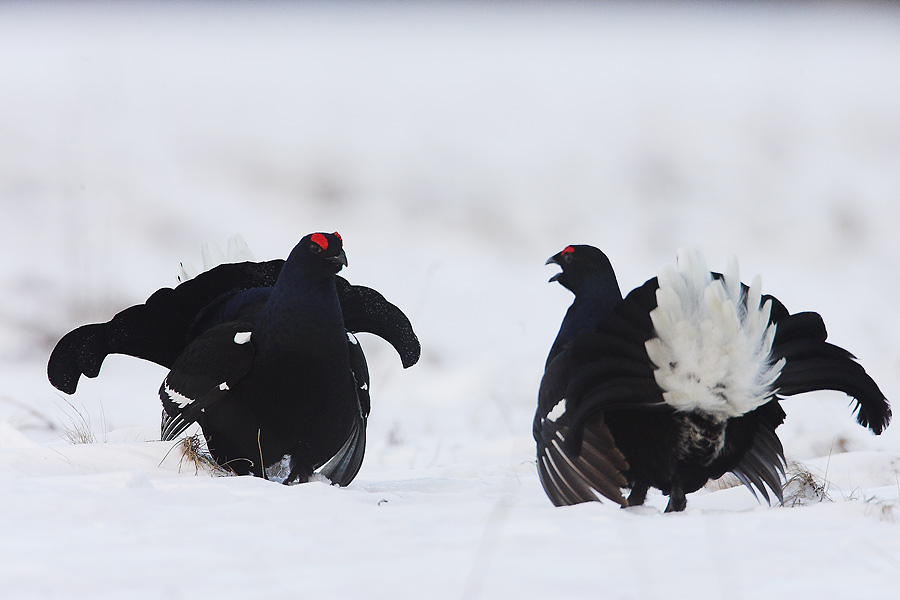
(319, 478)
(10, 437)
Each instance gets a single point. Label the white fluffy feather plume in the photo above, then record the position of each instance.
(212, 256)
(713, 347)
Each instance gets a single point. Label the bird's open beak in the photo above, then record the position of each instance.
(552, 261)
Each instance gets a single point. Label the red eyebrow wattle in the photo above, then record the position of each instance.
(321, 240)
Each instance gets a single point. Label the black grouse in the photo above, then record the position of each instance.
(678, 383)
(262, 355)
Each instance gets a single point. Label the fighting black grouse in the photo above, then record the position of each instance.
(678, 383)
(262, 355)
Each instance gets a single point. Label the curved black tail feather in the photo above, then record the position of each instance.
(814, 364)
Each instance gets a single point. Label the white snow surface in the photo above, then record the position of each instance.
(455, 148)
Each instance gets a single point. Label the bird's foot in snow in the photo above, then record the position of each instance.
(638, 494)
(677, 500)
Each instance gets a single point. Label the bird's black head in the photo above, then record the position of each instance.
(322, 251)
(582, 266)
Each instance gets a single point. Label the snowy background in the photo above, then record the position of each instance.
(455, 149)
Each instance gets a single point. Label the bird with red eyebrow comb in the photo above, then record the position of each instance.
(262, 355)
(678, 383)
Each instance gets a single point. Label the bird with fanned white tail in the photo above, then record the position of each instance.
(677, 383)
(262, 355)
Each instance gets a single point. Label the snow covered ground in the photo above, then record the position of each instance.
(455, 149)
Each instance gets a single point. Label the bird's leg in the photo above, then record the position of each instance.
(638, 494)
(300, 472)
(677, 499)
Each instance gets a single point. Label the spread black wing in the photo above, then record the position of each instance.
(204, 373)
(763, 463)
(602, 370)
(343, 467)
(159, 329)
(572, 478)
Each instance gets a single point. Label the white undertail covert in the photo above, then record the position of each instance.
(213, 256)
(713, 347)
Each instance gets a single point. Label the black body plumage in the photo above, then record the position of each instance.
(619, 429)
(261, 355)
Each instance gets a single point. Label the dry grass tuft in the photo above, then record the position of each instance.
(803, 487)
(883, 510)
(194, 452)
(79, 429)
